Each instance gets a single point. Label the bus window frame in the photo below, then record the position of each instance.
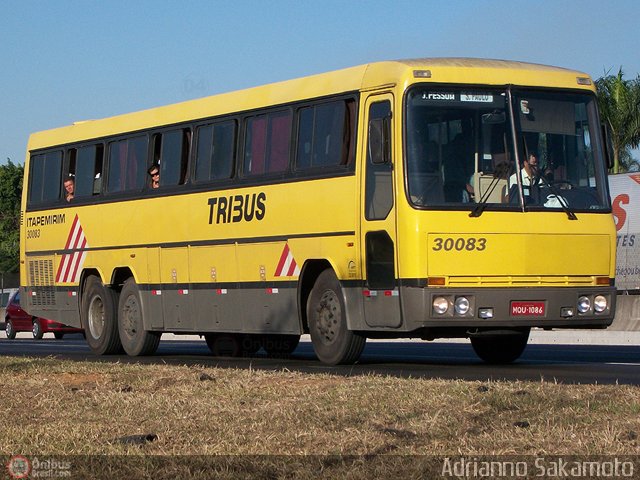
(132, 192)
(267, 113)
(44, 204)
(196, 129)
(347, 158)
(97, 144)
(190, 186)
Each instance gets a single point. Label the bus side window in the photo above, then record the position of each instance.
(325, 135)
(88, 170)
(267, 142)
(45, 177)
(171, 152)
(127, 164)
(215, 151)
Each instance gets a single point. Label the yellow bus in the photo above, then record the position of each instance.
(428, 198)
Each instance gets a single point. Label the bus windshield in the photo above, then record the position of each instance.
(461, 151)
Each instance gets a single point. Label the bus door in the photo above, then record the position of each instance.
(382, 301)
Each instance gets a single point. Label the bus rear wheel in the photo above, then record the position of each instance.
(501, 348)
(332, 341)
(99, 304)
(135, 340)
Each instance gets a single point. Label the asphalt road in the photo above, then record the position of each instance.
(577, 363)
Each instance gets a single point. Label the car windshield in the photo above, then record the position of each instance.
(460, 149)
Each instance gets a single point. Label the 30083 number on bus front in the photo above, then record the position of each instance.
(459, 244)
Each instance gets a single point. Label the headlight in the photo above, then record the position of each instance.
(600, 303)
(440, 305)
(462, 305)
(584, 304)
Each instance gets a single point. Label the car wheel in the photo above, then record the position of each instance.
(99, 309)
(9, 330)
(36, 329)
(135, 339)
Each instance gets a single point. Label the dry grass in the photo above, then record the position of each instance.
(55, 407)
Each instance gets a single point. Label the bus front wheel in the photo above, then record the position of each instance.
(99, 304)
(135, 340)
(332, 341)
(501, 348)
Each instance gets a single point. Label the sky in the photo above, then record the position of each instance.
(63, 61)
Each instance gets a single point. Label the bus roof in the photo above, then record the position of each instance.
(363, 77)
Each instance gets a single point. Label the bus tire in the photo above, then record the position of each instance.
(500, 348)
(135, 340)
(332, 341)
(99, 305)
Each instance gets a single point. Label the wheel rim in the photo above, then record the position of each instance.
(96, 317)
(329, 315)
(34, 329)
(8, 328)
(130, 316)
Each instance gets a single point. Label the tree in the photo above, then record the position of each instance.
(619, 103)
(10, 194)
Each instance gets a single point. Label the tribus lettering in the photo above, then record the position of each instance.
(236, 208)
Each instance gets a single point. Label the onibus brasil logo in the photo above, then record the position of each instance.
(20, 467)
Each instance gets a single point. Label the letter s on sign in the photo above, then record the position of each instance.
(619, 213)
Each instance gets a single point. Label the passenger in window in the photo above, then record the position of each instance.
(154, 173)
(69, 188)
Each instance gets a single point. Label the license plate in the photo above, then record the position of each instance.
(527, 309)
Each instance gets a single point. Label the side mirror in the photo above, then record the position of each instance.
(379, 140)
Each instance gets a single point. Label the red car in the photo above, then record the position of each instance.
(17, 320)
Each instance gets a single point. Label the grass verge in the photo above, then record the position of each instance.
(56, 407)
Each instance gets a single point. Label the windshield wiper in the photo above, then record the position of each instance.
(501, 172)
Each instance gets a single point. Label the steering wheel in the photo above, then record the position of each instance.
(562, 184)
